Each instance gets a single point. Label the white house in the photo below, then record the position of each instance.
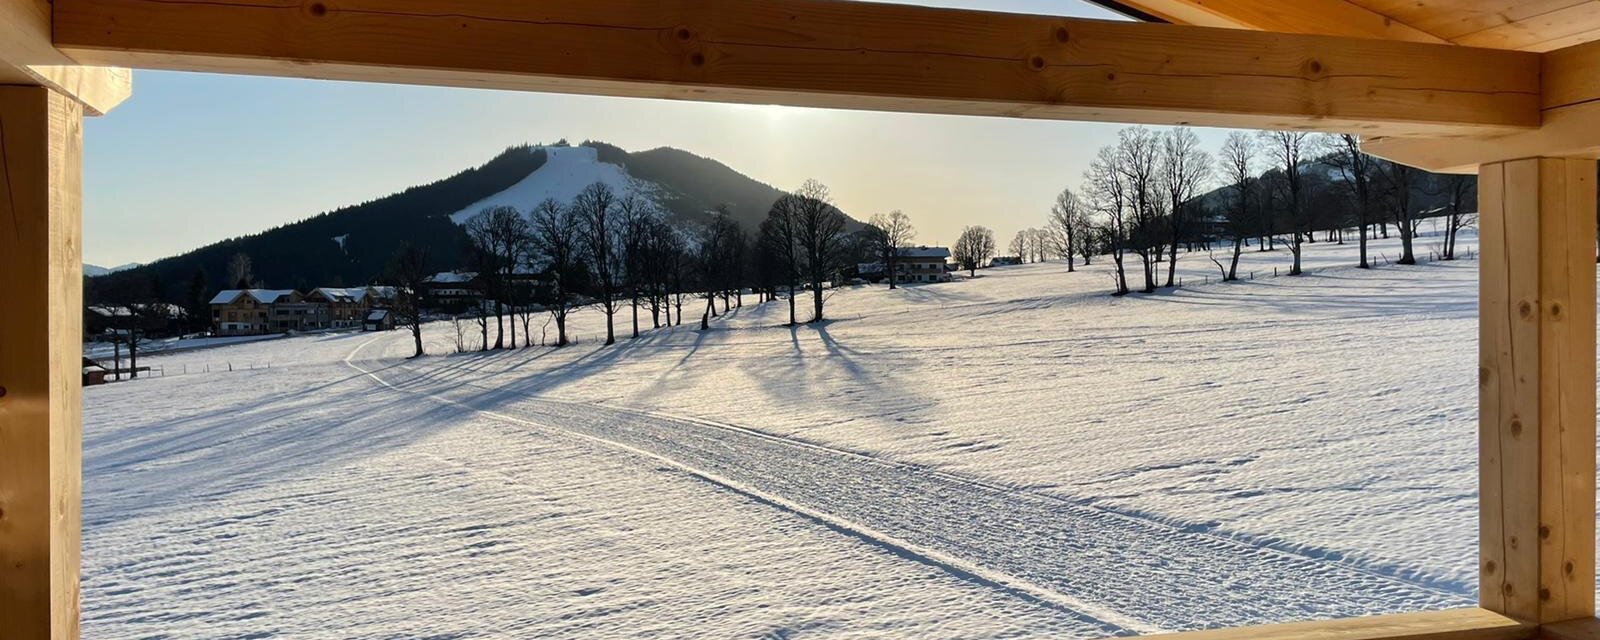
(923, 264)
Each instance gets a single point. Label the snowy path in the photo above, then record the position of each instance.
(1105, 567)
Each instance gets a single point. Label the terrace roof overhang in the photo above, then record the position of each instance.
(1508, 88)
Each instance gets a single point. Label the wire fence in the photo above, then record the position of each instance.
(1379, 260)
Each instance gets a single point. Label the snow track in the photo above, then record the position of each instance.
(1092, 564)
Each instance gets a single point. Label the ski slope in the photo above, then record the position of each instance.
(1012, 455)
(566, 172)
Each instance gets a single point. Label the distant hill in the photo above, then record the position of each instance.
(95, 271)
(352, 245)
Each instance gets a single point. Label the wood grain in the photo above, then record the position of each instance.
(27, 57)
(827, 53)
(1455, 624)
(41, 329)
(1537, 393)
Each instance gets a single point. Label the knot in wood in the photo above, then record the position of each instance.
(1062, 36)
(1036, 63)
(318, 9)
(1525, 309)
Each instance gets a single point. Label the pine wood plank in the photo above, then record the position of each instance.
(1454, 624)
(41, 284)
(827, 53)
(1537, 394)
(27, 57)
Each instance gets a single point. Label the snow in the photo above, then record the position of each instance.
(340, 240)
(264, 296)
(1012, 455)
(451, 277)
(566, 172)
(925, 252)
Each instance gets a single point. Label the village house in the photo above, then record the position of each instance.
(923, 264)
(346, 307)
(248, 312)
(237, 312)
(452, 291)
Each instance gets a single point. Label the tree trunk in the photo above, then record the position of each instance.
(816, 301)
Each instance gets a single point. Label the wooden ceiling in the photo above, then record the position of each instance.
(1526, 25)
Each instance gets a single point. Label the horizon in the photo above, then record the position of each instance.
(164, 176)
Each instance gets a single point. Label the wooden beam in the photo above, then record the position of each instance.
(28, 58)
(1537, 388)
(1454, 624)
(41, 334)
(1579, 629)
(1325, 17)
(1570, 104)
(828, 53)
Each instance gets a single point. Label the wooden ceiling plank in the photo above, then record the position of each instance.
(28, 58)
(1544, 32)
(1451, 19)
(1325, 17)
(833, 54)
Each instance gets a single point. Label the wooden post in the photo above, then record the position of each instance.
(41, 329)
(1537, 394)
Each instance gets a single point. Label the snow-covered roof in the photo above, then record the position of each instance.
(264, 296)
(924, 252)
(378, 315)
(451, 277)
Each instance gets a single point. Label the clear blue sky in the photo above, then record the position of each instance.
(191, 159)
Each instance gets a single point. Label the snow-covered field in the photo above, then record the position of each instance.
(1015, 455)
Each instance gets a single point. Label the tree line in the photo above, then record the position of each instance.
(620, 252)
(1152, 195)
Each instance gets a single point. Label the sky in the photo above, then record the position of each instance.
(192, 159)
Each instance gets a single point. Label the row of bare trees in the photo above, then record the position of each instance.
(1144, 199)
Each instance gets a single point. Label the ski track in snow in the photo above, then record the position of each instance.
(1098, 563)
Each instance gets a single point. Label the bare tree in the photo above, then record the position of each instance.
(240, 275)
(1461, 192)
(1356, 168)
(1110, 200)
(1185, 168)
(1068, 218)
(1287, 150)
(820, 230)
(498, 237)
(637, 215)
(408, 271)
(1137, 152)
(1020, 245)
(896, 234)
(598, 228)
(555, 242)
(1237, 164)
(716, 242)
(973, 248)
(780, 235)
(1400, 184)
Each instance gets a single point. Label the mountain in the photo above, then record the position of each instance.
(352, 245)
(95, 271)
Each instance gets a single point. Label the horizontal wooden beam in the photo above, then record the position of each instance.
(1454, 624)
(1326, 17)
(828, 53)
(28, 58)
(1570, 104)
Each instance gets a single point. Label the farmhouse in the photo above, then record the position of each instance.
(923, 264)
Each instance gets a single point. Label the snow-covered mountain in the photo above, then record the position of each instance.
(566, 172)
(94, 271)
(353, 245)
